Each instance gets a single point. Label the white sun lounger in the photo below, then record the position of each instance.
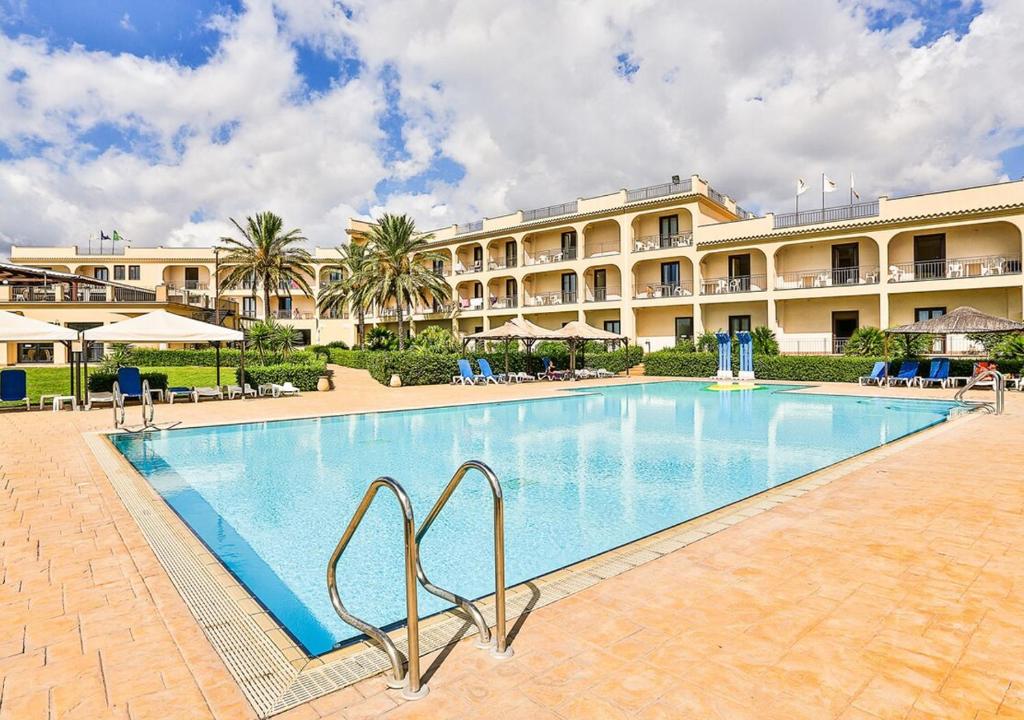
(207, 392)
(236, 391)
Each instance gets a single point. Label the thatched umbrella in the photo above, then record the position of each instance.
(514, 329)
(578, 331)
(962, 321)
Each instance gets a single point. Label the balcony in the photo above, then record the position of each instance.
(189, 285)
(603, 294)
(473, 267)
(437, 309)
(602, 249)
(551, 298)
(955, 268)
(292, 315)
(37, 294)
(471, 304)
(829, 277)
(656, 191)
(550, 211)
(734, 284)
(647, 291)
(501, 263)
(546, 257)
(504, 303)
(832, 214)
(647, 243)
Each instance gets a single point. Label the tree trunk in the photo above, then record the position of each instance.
(401, 328)
(266, 296)
(360, 327)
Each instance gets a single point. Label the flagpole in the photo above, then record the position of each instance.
(823, 194)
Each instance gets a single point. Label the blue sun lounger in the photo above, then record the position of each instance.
(487, 374)
(13, 387)
(466, 375)
(876, 377)
(907, 373)
(937, 373)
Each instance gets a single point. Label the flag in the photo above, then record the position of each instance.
(801, 186)
(104, 236)
(828, 185)
(853, 193)
(117, 237)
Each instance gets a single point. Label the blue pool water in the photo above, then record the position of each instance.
(582, 474)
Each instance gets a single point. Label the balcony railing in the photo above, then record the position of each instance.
(292, 315)
(472, 267)
(832, 214)
(656, 191)
(647, 243)
(646, 291)
(734, 284)
(829, 277)
(36, 294)
(475, 226)
(133, 295)
(603, 294)
(502, 303)
(546, 257)
(438, 309)
(91, 294)
(471, 304)
(334, 315)
(745, 214)
(955, 268)
(550, 211)
(501, 263)
(602, 249)
(551, 298)
(188, 285)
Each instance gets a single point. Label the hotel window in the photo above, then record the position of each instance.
(739, 323)
(613, 326)
(35, 353)
(101, 273)
(119, 272)
(668, 227)
(249, 306)
(684, 327)
(134, 272)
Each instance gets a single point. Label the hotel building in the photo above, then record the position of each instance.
(654, 263)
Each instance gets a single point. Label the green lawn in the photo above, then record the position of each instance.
(52, 380)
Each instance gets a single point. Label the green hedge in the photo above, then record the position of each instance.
(304, 376)
(207, 357)
(801, 368)
(104, 382)
(349, 358)
(420, 368)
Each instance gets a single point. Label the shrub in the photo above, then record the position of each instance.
(104, 381)
(763, 341)
(1010, 347)
(338, 344)
(672, 363)
(804, 368)
(302, 375)
(615, 361)
(685, 344)
(151, 357)
(380, 338)
(867, 340)
(707, 342)
(435, 339)
(909, 346)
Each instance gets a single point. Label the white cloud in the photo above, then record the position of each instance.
(524, 95)
(126, 23)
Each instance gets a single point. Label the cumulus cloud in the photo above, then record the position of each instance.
(536, 102)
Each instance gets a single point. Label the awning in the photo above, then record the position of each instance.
(517, 329)
(161, 326)
(16, 328)
(961, 321)
(582, 331)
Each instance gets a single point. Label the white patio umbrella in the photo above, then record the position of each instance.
(17, 328)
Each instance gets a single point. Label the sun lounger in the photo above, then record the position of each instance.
(100, 398)
(128, 385)
(521, 377)
(466, 375)
(286, 389)
(877, 376)
(200, 393)
(487, 374)
(237, 391)
(938, 373)
(178, 392)
(549, 372)
(907, 373)
(13, 384)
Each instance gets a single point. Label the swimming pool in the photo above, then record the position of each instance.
(582, 474)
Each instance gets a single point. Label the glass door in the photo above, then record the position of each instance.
(569, 245)
(191, 278)
(844, 322)
(568, 287)
(739, 272)
(668, 228)
(669, 278)
(845, 264)
(929, 256)
(510, 254)
(600, 285)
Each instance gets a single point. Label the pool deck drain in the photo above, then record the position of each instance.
(275, 675)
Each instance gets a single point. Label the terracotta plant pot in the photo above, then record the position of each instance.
(396, 381)
(323, 385)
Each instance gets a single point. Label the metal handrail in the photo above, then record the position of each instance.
(409, 681)
(501, 648)
(998, 385)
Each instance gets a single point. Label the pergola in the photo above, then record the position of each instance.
(578, 332)
(161, 326)
(17, 328)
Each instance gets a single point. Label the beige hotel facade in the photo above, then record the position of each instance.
(653, 263)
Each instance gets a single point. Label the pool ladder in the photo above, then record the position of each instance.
(409, 679)
(998, 385)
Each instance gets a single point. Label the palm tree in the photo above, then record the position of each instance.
(350, 291)
(267, 257)
(397, 267)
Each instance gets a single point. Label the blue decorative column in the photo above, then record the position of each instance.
(724, 356)
(746, 355)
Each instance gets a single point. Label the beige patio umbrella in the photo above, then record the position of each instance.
(579, 331)
(515, 329)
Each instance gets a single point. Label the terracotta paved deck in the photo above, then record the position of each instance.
(893, 592)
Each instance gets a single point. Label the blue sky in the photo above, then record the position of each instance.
(414, 112)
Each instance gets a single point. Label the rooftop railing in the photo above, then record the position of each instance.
(470, 227)
(955, 268)
(832, 214)
(656, 191)
(734, 284)
(550, 211)
(828, 277)
(745, 214)
(647, 243)
(716, 196)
